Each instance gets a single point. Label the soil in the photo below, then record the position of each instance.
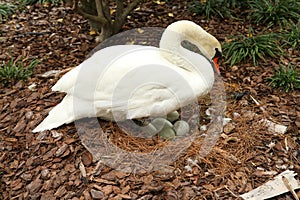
(56, 165)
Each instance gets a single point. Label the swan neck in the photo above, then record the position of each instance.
(171, 41)
(172, 50)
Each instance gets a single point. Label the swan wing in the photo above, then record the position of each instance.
(91, 68)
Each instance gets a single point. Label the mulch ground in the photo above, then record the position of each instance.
(55, 165)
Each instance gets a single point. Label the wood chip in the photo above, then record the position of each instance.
(101, 180)
(87, 158)
(34, 186)
(96, 194)
(61, 150)
(60, 191)
(82, 170)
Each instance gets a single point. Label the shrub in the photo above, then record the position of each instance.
(31, 2)
(219, 8)
(292, 37)
(286, 78)
(275, 12)
(254, 48)
(13, 71)
(6, 10)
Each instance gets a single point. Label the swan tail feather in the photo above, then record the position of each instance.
(59, 115)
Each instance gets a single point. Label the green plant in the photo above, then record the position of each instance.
(219, 8)
(286, 78)
(292, 37)
(254, 48)
(6, 9)
(31, 2)
(274, 11)
(14, 71)
(209, 8)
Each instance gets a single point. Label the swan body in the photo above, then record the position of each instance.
(132, 81)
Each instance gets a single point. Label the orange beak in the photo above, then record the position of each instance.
(215, 60)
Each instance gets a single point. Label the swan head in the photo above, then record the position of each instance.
(209, 46)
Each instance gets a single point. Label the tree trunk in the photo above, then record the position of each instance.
(99, 16)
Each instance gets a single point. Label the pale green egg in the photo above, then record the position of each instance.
(160, 123)
(150, 129)
(173, 116)
(167, 133)
(181, 128)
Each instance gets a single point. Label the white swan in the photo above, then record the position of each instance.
(132, 81)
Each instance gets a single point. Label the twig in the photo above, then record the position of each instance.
(125, 12)
(261, 108)
(130, 7)
(119, 9)
(2, 157)
(225, 186)
(258, 104)
(289, 187)
(227, 155)
(6, 94)
(106, 10)
(99, 19)
(64, 71)
(75, 5)
(99, 8)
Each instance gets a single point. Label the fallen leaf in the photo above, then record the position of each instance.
(60, 20)
(170, 14)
